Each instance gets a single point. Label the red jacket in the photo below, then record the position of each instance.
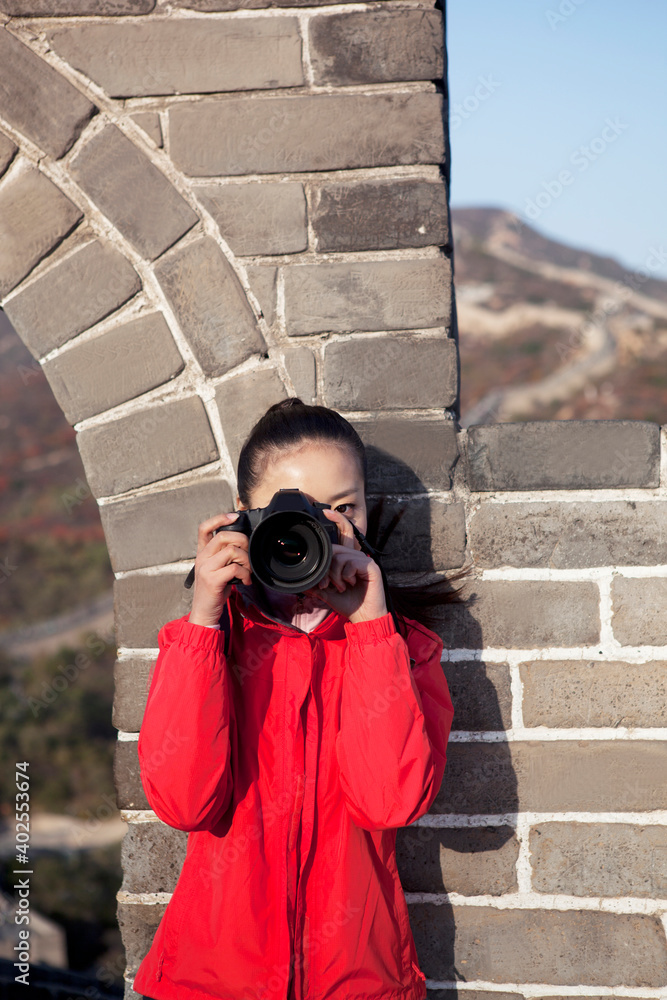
(292, 759)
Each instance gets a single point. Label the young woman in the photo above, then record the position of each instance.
(291, 744)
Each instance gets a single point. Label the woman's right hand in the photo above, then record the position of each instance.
(221, 558)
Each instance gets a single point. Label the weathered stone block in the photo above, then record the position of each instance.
(390, 373)
(469, 860)
(523, 614)
(559, 947)
(380, 214)
(196, 56)
(97, 374)
(130, 190)
(37, 101)
(563, 454)
(138, 923)
(300, 365)
(131, 684)
(143, 604)
(401, 372)
(7, 152)
(570, 534)
(210, 305)
(639, 610)
(162, 440)
(594, 693)
(430, 535)
(34, 217)
(408, 454)
(368, 295)
(63, 8)
(599, 859)
(481, 694)
(377, 46)
(263, 282)
(211, 5)
(161, 527)
(152, 856)
(242, 135)
(554, 776)
(149, 122)
(73, 295)
(260, 218)
(130, 793)
(242, 401)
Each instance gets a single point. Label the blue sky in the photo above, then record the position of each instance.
(559, 114)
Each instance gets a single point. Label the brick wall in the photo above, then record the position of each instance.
(194, 227)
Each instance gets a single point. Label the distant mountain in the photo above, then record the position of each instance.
(553, 332)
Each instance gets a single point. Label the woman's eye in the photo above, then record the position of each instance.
(341, 505)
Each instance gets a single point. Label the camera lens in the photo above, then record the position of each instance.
(289, 549)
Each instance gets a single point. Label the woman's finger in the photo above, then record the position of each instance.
(345, 529)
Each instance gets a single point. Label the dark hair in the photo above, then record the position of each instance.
(292, 422)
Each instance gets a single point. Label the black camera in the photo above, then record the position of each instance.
(290, 541)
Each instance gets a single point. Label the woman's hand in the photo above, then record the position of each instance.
(221, 558)
(353, 585)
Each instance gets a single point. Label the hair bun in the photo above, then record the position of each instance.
(285, 404)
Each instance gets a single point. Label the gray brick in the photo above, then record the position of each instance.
(130, 793)
(599, 859)
(571, 534)
(473, 860)
(211, 5)
(390, 373)
(377, 46)
(210, 305)
(300, 365)
(96, 375)
(73, 295)
(473, 995)
(553, 776)
(264, 285)
(380, 214)
(639, 610)
(143, 447)
(152, 856)
(408, 454)
(431, 535)
(131, 192)
(259, 218)
(481, 693)
(149, 122)
(62, 8)
(242, 401)
(143, 604)
(559, 947)
(161, 527)
(368, 295)
(594, 693)
(197, 56)
(523, 614)
(563, 454)
(34, 217)
(131, 683)
(37, 101)
(275, 134)
(138, 923)
(7, 152)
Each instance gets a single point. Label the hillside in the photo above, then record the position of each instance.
(551, 332)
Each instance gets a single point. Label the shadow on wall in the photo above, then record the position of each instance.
(473, 854)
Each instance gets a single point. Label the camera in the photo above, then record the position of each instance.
(290, 541)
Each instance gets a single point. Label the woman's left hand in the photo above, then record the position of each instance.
(353, 586)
